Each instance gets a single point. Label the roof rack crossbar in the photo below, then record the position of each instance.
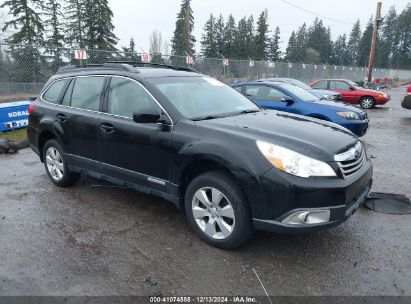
(130, 66)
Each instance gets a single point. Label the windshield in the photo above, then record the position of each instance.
(300, 93)
(300, 84)
(203, 97)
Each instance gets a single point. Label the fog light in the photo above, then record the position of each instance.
(308, 217)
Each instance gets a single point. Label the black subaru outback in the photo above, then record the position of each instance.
(194, 141)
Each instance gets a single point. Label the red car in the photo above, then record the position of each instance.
(409, 90)
(352, 93)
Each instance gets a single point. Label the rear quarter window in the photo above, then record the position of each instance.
(53, 93)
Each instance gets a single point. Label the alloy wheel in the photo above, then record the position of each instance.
(367, 103)
(213, 213)
(55, 164)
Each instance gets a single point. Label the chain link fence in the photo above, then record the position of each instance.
(25, 69)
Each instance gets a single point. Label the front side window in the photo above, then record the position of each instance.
(320, 85)
(264, 93)
(200, 97)
(126, 96)
(339, 85)
(53, 93)
(87, 93)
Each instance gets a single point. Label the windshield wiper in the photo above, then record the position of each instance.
(208, 117)
(245, 112)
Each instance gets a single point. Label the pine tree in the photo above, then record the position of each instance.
(290, 52)
(241, 47)
(74, 12)
(319, 39)
(301, 43)
(353, 43)
(249, 40)
(275, 50)
(364, 46)
(261, 37)
(230, 32)
(389, 39)
(27, 29)
(99, 26)
(183, 41)
(340, 52)
(55, 37)
(209, 39)
(219, 32)
(402, 52)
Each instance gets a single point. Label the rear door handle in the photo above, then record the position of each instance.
(108, 128)
(61, 117)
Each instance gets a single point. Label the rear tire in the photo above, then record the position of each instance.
(367, 103)
(217, 210)
(56, 166)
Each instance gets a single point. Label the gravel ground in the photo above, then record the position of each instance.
(93, 240)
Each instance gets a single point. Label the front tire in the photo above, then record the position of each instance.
(56, 165)
(217, 210)
(367, 103)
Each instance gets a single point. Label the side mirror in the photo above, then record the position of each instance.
(352, 89)
(147, 115)
(287, 99)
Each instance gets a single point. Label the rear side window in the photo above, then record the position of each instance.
(339, 85)
(87, 92)
(126, 96)
(320, 85)
(53, 92)
(67, 95)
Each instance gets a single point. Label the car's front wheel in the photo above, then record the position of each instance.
(367, 103)
(56, 165)
(217, 210)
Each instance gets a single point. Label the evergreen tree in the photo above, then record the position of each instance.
(241, 47)
(99, 33)
(319, 39)
(364, 46)
(290, 52)
(74, 12)
(130, 51)
(388, 39)
(209, 39)
(402, 52)
(183, 41)
(55, 37)
(28, 29)
(219, 32)
(353, 43)
(230, 32)
(275, 50)
(341, 54)
(261, 37)
(301, 43)
(249, 40)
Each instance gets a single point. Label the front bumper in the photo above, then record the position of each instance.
(358, 127)
(382, 100)
(284, 194)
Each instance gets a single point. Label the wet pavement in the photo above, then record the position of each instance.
(93, 240)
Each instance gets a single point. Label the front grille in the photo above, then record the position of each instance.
(352, 160)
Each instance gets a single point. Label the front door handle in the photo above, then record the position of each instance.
(108, 128)
(61, 117)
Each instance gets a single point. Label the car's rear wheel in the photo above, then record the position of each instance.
(367, 103)
(56, 165)
(217, 210)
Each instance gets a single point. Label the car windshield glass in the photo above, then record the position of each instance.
(300, 84)
(203, 97)
(351, 83)
(300, 93)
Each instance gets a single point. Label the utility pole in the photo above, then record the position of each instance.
(374, 40)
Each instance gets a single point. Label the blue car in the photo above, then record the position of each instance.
(289, 98)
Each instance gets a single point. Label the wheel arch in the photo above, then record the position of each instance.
(44, 137)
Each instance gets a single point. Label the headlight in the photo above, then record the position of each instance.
(294, 163)
(349, 115)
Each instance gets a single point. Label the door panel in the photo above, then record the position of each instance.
(138, 153)
(342, 87)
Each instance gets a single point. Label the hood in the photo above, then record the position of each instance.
(339, 106)
(308, 136)
(371, 92)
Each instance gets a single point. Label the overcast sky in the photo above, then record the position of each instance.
(138, 18)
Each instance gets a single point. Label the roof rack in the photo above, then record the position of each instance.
(129, 66)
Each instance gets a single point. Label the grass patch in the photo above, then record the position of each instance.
(15, 135)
